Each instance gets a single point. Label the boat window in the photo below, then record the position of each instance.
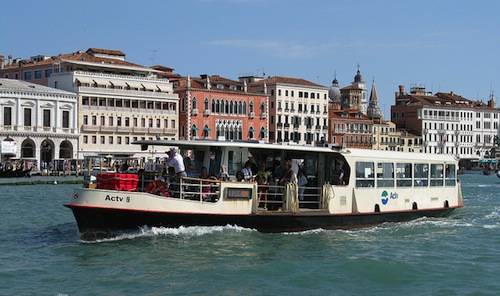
(337, 170)
(450, 175)
(365, 174)
(421, 174)
(385, 174)
(234, 162)
(436, 174)
(403, 175)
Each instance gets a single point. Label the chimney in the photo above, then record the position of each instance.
(265, 88)
(208, 83)
(245, 86)
(2, 59)
(401, 89)
(189, 82)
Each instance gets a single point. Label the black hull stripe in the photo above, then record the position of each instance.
(96, 219)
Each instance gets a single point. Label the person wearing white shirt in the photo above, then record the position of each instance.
(176, 161)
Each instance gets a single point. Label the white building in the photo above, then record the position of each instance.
(298, 109)
(447, 122)
(116, 110)
(39, 123)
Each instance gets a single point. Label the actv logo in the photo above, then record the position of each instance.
(385, 196)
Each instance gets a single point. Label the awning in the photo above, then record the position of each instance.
(118, 83)
(134, 84)
(84, 80)
(149, 86)
(100, 81)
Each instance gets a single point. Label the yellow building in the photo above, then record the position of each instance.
(387, 137)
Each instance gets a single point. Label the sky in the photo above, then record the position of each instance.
(440, 44)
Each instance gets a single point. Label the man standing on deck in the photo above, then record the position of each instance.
(176, 161)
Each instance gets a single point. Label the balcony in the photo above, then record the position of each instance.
(207, 112)
(251, 114)
(318, 128)
(90, 128)
(308, 127)
(296, 126)
(279, 124)
(194, 111)
(263, 115)
(287, 125)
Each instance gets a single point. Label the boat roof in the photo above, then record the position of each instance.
(349, 153)
(397, 155)
(237, 144)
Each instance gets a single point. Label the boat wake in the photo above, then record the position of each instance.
(183, 231)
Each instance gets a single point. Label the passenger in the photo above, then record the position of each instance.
(302, 182)
(239, 176)
(204, 173)
(176, 161)
(223, 174)
(289, 176)
(252, 164)
(277, 170)
(247, 172)
(339, 173)
(206, 185)
(263, 178)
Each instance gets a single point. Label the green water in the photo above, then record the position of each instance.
(41, 254)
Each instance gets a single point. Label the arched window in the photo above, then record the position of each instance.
(244, 107)
(213, 106)
(28, 149)
(206, 131)
(206, 104)
(240, 108)
(218, 132)
(66, 150)
(231, 108)
(262, 132)
(240, 133)
(251, 133)
(226, 107)
(194, 130)
(193, 103)
(222, 106)
(250, 107)
(217, 107)
(262, 107)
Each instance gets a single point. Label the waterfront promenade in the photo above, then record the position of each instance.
(35, 180)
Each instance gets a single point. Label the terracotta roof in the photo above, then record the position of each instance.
(286, 80)
(105, 51)
(75, 56)
(441, 99)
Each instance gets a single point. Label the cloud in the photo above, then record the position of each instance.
(296, 50)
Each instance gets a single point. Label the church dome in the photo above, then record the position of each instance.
(358, 77)
(334, 92)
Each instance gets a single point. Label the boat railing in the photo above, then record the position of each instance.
(270, 196)
(273, 197)
(309, 196)
(207, 190)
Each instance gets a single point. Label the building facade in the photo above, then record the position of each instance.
(298, 109)
(40, 123)
(387, 137)
(448, 123)
(119, 101)
(350, 129)
(217, 108)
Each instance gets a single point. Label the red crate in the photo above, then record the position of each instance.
(117, 181)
